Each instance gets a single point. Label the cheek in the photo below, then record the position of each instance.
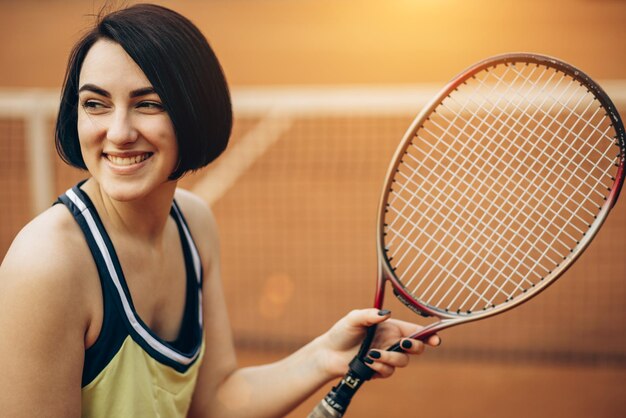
(173, 144)
(172, 149)
(88, 131)
(167, 138)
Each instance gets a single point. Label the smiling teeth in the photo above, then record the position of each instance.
(128, 160)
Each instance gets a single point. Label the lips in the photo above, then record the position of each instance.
(127, 160)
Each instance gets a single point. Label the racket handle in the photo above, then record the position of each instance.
(323, 410)
(337, 400)
(396, 347)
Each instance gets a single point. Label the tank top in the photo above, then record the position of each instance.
(130, 371)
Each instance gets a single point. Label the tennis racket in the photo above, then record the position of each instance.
(498, 186)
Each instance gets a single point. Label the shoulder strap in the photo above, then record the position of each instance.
(113, 332)
(184, 228)
(113, 280)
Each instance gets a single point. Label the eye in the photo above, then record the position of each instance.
(93, 106)
(150, 106)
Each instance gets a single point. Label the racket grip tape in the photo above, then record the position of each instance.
(323, 410)
(337, 400)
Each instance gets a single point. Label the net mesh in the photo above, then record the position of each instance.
(14, 184)
(298, 231)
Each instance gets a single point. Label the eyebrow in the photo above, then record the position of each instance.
(102, 92)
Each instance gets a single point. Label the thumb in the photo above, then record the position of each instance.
(367, 317)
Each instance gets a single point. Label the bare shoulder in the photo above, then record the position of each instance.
(202, 224)
(197, 213)
(193, 206)
(44, 317)
(48, 255)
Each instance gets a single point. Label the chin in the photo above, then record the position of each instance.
(129, 190)
(123, 192)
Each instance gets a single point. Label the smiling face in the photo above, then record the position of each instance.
(126, 137)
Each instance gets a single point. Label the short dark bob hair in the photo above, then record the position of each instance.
(182, 68)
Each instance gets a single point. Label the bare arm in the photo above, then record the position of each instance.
(272, 390)
(42, 327)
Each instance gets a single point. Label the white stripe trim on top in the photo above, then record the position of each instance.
(192, 247)
(196, 260)
(145, 335)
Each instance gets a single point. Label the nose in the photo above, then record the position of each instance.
(121, 130)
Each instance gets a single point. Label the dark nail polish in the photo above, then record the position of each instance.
(384, 312)
(406, 344)
(368, 360)
(374, 354)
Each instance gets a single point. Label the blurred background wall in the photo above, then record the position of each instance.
(280, 42)
(323, 91)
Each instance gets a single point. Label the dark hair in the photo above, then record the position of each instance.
(181, 66)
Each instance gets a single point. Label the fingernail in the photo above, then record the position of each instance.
(406, 344)
(368, 360)
(438, 341)
(384, 312)
(374, 354)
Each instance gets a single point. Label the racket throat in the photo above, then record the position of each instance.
(409, 305)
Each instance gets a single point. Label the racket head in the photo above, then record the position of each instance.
(498, 186)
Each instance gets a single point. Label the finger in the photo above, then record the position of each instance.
(412, 346)
(434, 341)
(382, 369)
(406, 328)
(367, 317)
(390, 358)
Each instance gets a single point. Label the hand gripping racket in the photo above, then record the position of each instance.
(497, 187)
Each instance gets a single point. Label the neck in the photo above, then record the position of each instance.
(143, 218)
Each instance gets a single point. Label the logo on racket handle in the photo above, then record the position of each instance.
(340, 396)
(351, 381)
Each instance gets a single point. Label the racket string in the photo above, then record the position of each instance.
(572, 111)
(481, 249)
(448, 195)
(471, 216)
(547, 114)
(445, 134)
(513, 240)
(550, 158)
(498, 287)
(434, 262)
(444, 268)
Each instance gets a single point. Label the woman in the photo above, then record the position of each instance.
(111, 303)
